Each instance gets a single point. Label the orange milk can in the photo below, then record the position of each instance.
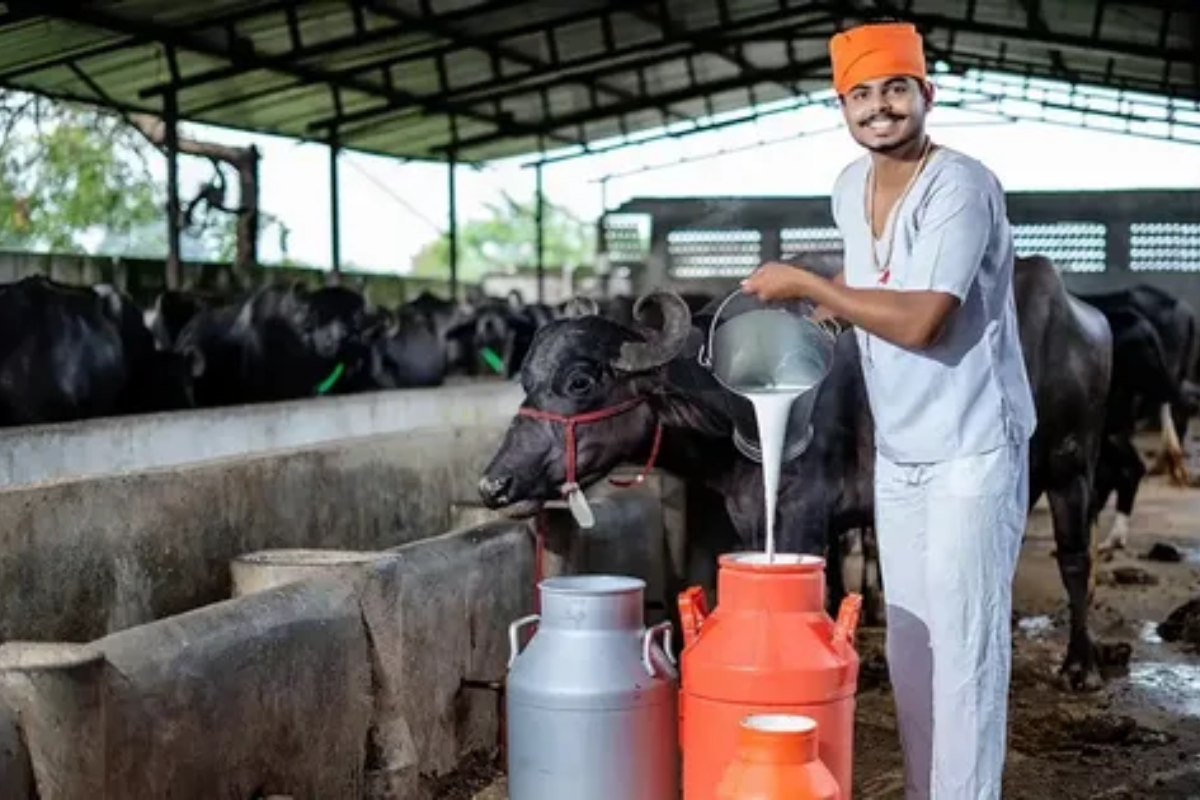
(777, 759)
(768, 648)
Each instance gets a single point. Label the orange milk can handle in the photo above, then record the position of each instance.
(847, 619)
(692, 612)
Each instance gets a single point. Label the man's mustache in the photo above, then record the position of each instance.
(884, 117)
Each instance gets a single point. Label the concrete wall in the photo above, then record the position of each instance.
(360, 684)
(333, 687)
(81, 558)
(144, 278)
(125, 444)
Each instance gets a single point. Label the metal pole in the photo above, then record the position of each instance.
(171, 123)
(605, 269)
(451, 170)
(335, 214)
(541, 238)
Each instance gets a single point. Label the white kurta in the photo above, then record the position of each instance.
(952, 426)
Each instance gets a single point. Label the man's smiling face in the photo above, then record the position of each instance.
(886, 114)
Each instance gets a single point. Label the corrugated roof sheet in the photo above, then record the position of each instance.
(417, 78)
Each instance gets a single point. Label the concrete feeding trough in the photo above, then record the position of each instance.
(267, 569)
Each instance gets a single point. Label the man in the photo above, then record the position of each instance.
(927, 283)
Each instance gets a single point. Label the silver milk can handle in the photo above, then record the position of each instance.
(514, 643)
(648, 639)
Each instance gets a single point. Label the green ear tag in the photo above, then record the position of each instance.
(327, 384)
(494, 361)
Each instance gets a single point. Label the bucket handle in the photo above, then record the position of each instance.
(829, 327)
(648, 639)
(514, 642)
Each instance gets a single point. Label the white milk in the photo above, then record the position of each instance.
(772, 407)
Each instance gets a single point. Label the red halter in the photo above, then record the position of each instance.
(571, 485)
(595, 416)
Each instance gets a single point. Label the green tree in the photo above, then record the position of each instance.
(506, 239)
(67, 171)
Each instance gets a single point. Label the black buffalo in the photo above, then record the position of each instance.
(1140, 374)
(173, 309)
(1175, 322)
(650, 377)
(280, 343)
(492, 337)
(70, 353)
(401, 350)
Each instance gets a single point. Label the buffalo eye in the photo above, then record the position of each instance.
(580, 383)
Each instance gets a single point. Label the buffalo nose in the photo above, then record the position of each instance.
(494, 489)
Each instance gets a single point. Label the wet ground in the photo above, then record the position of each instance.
(1136, 737)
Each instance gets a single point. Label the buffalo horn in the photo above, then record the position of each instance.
(661, 345)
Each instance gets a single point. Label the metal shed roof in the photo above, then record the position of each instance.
(424, 78)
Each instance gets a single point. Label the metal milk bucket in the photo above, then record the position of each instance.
(770, 347)
(592, 701)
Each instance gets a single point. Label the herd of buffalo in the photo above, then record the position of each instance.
(625, 379)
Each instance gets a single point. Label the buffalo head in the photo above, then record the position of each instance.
(403, 351)
(333, 320)
(594, 373)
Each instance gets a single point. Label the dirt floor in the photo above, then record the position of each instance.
(1136, 737)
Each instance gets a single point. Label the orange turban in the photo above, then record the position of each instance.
(869, 52)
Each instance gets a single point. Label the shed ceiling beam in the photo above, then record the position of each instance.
(630, 59)
(1020, 33)
(1183, 6)
(278, 62)
(648, 54)
(494, 48)
(661, 17)
(242, 14)
(1028, 69)
(241, 53)
(387, 63)
(678, 96)
(1036, 22)
(501, 33)
(1196, 50)
(67, 59)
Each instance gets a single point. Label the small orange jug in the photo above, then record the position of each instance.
(768, 648)
(777, 759)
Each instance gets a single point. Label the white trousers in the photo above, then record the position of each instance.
(949, 538)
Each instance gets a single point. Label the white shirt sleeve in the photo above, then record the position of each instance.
(836, 198)
(954, 230)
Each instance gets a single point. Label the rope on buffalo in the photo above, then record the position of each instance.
(571, 488)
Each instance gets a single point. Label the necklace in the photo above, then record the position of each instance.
(889, 229)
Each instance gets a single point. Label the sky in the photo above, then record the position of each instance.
(390, 209)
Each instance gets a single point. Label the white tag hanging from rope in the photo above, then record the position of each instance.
(580, 509)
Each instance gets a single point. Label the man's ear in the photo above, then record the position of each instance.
(928, 90)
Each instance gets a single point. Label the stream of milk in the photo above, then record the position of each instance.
(772, 407)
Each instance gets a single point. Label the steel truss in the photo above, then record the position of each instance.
(506, 77)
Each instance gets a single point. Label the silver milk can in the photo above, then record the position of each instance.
(592, 701)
